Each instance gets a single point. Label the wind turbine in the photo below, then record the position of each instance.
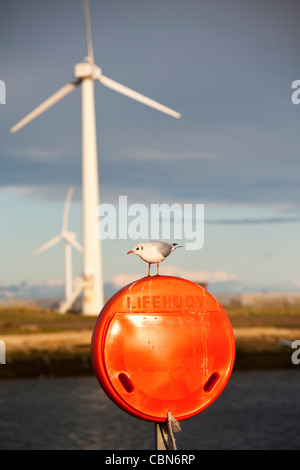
(70, 240)
(86, 73)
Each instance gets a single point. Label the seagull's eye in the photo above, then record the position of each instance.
(137, 249)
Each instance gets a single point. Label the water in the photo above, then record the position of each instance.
(257, 410)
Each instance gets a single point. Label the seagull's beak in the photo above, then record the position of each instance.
(130, 252)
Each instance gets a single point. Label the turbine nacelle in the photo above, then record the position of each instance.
(87, 70)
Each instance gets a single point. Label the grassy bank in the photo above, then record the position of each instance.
(25, 319)
(75, 363)
(261, 334)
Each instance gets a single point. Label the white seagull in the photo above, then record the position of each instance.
(154, 252)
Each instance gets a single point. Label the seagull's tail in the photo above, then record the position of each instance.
(175, 245)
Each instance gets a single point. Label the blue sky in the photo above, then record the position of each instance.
(226, 65)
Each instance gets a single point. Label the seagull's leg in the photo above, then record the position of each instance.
(149, 269)
(157, 269)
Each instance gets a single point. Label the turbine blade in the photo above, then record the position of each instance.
(137, 96)
(76, 245)
(47, 245)
(66, 304)
(64, 91)
(67, 209)
(88, 32)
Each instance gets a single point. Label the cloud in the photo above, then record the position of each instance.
(211, 277)
(18, 190)
(201, 275)
(55, 282)
(219, 281)
(121, 280)
(8, 294)
(52, 288)
(43, 192)
(38, 154)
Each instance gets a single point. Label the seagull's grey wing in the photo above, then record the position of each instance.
(164, 248)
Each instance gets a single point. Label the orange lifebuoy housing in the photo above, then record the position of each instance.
(163, 344)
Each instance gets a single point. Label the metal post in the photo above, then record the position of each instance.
(161, 436)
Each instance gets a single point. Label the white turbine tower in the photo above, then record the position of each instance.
(86, 73)
(70, 240)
